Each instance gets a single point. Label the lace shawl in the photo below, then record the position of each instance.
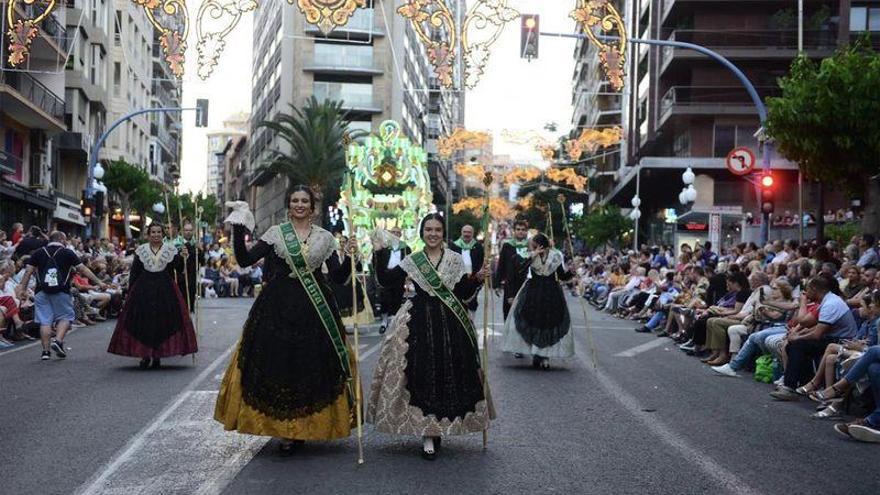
(317, 250)
(451, 270)
(156, 262)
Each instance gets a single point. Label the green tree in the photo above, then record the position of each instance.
(186, 203)
(314, 134)
(826, 121)
(602, 226)
(132, 185)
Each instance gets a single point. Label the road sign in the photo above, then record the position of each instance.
(740, 161)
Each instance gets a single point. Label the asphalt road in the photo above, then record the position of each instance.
(629, 415)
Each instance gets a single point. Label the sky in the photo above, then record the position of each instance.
(513, 94)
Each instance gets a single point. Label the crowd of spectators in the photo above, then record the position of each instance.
(802, 317)
(110, 260)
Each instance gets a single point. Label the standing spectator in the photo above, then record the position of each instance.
(17, 233)
(54, 307)
(30, 243)
(869, 257)
(708, 258)
(7, 248)
(835, 323)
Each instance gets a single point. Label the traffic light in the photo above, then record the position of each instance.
(767, 193)
(99, 204)
(86, 206)
(530, 29)
(201, 112)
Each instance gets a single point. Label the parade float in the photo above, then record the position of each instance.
(388, 186)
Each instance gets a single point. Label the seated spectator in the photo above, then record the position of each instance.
(835, 323)
(716, 327)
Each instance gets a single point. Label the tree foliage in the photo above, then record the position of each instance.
(314, 134)
(132, 185)
(602, 226)
(826, 121)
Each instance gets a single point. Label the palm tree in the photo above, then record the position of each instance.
(317, 153)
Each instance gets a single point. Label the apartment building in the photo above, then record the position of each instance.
(373, 64)
(681, 109)
(234, 127)
(31, 120)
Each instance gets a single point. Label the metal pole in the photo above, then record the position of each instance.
(636, 220)
(800, 26)
(800, 206)
(96, 148)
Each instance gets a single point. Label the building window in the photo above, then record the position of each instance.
(117, 29)
(117, 79)
(95, 65)
(864, 18)
(681, 146)
(727, 137)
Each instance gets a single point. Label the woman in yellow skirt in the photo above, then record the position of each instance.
(292, 376)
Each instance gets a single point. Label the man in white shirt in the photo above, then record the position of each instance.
(390, 294)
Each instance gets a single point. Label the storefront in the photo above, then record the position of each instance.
(23, 205)
(68, 218)
(696, 227)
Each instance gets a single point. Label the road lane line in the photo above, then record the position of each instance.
(647, 346)
(94, 484)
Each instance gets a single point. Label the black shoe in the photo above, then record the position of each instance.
(536, 362)
(663, 334)
(144, 364)
(45, 356)
(58, 347)
(518, 355)
(429, 456)
(157, 363)
(382, 329)
(437, 442)
(643, 329)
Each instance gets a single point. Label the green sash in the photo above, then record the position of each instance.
(447, 297)
(298, 265)
(521, 247)
(465, 245)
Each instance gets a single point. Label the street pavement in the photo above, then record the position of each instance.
(630, 414)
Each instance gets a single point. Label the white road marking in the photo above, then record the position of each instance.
(647, 346)
(370, 352)
(96, 484)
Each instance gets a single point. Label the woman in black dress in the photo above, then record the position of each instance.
(428, 380)
(293, 375)
(154, 322)
(540, 323)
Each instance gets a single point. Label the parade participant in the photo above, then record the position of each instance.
(390, 291)
(188, 283)
(472, 254)
(154, 322)
(342, 292)
(540, 324)
(512, 264)
(53, 306)
(292, 376)
(428, 380)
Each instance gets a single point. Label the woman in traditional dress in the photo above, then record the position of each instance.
(342, 293)
(428, 381)
(540, 323)
(154, 322)
(292, 376)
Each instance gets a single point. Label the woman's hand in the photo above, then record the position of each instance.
(351, 246)
(483, 273)
(538, 251)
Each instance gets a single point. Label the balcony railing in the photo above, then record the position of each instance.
(696, 96)
(361, 20)
(335, 55)
(34, 91)
(336, 91)
(50, 25)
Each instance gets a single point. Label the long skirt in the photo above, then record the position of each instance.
(540, 324)
(154, 322)
(285, 379)
(428, 380)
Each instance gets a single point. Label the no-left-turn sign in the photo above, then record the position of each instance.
(740, 161)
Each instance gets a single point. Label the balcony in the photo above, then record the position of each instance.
(74, 144)
(343, 60)
(9, 163)
(678, 8)
(361, 25)
(51, 44)
(749, 44)
(352, 99)
(29, 102)
(710, 100)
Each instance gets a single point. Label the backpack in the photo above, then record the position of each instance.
(764, 369)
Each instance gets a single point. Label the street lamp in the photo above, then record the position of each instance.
(634, 215)
(159, 208)
(98, 172)
(689, 193)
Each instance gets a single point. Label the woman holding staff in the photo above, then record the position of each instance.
(154, 323)
(292, 376)
(428, 380)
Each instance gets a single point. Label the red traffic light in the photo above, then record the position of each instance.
(529, 33)
(767, 181)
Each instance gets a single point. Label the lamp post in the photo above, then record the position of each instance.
(634, 215)
(689, 193)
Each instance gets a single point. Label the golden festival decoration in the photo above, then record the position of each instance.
(499, 209)
(173, 36)
(548, 151)
(226, 13)
(592, 139)
(460, 139)
(470, 171)
(567, 176)
(328, 14)
(434, 23)
(612, 55)
(21, 32)
(525, 202)
(521, 174)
